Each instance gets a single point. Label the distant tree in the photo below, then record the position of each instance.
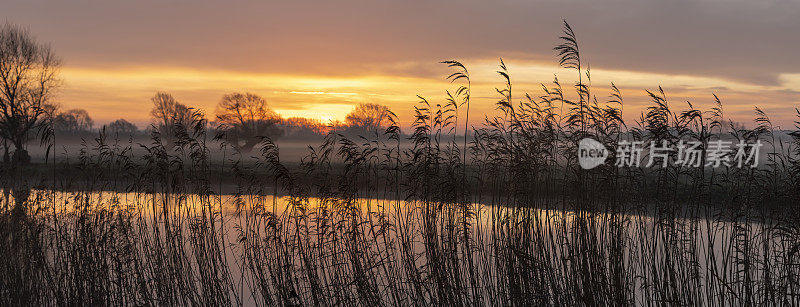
(28, 77)
(167, 112)
(737, 126)
(65, 123)
(245, 118)
(75, 120)
(367, 116)
(122, 126)
(82, 118)
(302, 127)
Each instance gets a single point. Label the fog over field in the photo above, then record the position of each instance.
(310, 154)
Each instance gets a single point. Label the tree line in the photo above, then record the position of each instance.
(243, 119)
(29, 79)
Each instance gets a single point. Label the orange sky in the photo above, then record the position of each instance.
(319, 60)
(109, 94)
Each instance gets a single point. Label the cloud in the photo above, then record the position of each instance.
(738, 40)
(117, 54)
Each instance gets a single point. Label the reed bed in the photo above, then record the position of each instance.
(495, 214)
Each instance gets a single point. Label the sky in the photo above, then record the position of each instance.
(319, 59)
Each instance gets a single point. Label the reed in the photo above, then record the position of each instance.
(494, 214)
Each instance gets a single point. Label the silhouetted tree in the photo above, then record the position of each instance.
(302, 127)
(28, 76)
(367, 117)
(75, 120)
(245, 118)
(122, 126)
(167, 112)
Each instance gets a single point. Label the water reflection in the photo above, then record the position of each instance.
(389, 240)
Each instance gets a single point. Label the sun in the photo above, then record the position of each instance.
(324, 112)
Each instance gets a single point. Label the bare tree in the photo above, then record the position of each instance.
(367, 116)
(75, 120)
(82, 119)
(122, 126)
(302, 127)
(245, 118)
(167, 112)
(28, 78)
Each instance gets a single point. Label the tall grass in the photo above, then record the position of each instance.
(503, 216)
